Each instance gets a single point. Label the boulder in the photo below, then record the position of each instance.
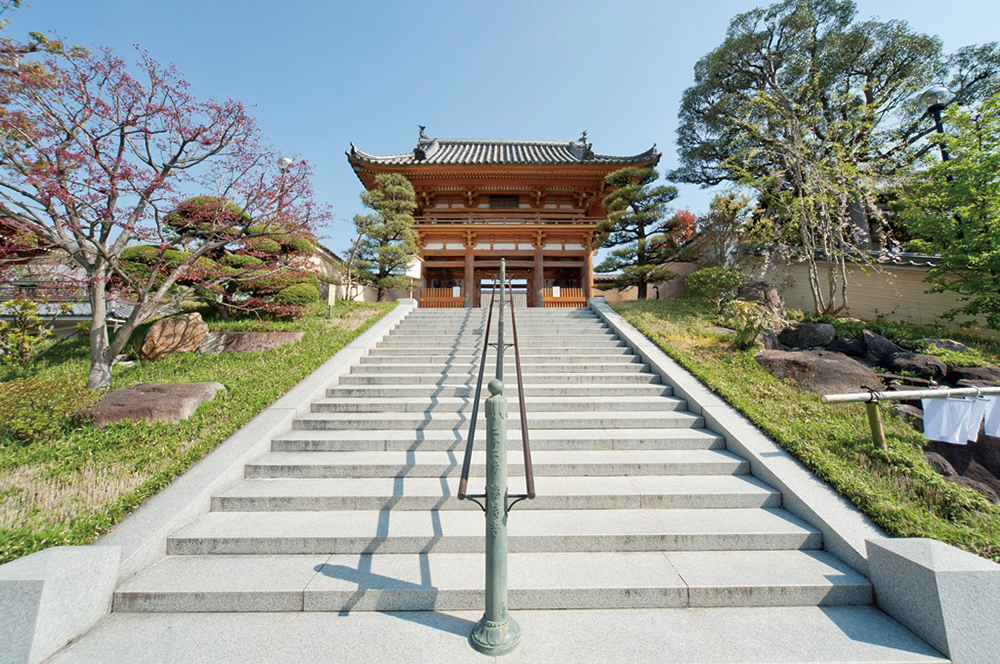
(764, 293)
(922, 365)
(807, 335)
(987, 375)
(241, 342)
(940, 465)
(852, 347)
(176, 334)
(769, 339)
(946, 344)
(820, 371)
(879, 348)
(973, 465)
(152, 402)
(910, 414)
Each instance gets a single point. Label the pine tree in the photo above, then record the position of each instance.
(388, 241)
(636, 225)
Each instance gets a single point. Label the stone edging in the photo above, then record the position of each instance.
(142, 535)
(845, 528)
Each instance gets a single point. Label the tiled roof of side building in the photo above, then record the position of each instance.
(476, 151)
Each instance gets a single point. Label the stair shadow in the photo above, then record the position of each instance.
(876, 628)
(364, 576)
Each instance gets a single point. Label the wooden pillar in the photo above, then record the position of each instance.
(538, 278)
(467, 284)
(588, 274)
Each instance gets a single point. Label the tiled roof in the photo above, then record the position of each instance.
(474, 151)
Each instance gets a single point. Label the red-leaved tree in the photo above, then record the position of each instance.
(96, 154)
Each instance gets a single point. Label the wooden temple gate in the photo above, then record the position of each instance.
(534, 203)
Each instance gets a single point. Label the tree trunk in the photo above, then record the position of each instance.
(99, 377)
(641, 287)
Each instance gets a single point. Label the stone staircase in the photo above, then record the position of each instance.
(354, 509)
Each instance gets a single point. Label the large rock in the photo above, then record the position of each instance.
(152, 402)
(176, 334)
(766, 294)
(946, 344)
(807, 335)
(983, 375)
(922, 365)
(879, 348)
(910, 414)
(241, 342)
(973, 465)
(820, 371)
(852, 347)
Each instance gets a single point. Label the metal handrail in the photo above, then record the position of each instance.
(463, 485)
(529, 472)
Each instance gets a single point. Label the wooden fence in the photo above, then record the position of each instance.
(441, 298)
(568, 298)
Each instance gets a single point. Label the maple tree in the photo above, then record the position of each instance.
(97, 154)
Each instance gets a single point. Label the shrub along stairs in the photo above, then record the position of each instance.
(355, 509)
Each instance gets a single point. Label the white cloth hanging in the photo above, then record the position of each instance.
(975, 419)
(993, 416)
(946, 420)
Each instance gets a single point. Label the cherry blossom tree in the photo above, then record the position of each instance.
(95, 155)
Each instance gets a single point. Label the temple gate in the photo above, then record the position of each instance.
(534, 203)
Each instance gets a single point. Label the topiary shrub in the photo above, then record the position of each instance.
(714, 284)
(303, 293)
(241, 261)
(39, 409)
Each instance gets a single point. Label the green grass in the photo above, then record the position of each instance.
(75, 488)
(897, 488)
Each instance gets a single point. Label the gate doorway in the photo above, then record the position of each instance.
(518, 294)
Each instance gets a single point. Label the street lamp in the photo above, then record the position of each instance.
(934, 99)
(284, 164)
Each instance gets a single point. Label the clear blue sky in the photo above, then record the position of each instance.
(321, 74)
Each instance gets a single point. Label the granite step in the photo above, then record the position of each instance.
(465, 404)
(470, 379)
(319, 440)
(536, 420)
(553, 493)
(461, 531)
(456, 370)
(596, 390)
(440, 464)
(452, 581)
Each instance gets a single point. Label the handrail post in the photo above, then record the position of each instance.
(496, 633)
(500, 338)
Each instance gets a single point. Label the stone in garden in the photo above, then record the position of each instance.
(940, 465)
(922, 365)
(852, 347)
(910, 414)
(769, 339)
(946, 344)
(240, 342)
(765, 294)
(152, 402)
(807, 335)
(820, 371)
(176, 334)
(879, 348)
(980, 374)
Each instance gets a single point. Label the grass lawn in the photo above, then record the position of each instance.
(76, 487)
(897, 488)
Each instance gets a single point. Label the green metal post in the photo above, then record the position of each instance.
(496, 633)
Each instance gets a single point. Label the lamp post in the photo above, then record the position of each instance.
(284, 164)
(934, 99)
